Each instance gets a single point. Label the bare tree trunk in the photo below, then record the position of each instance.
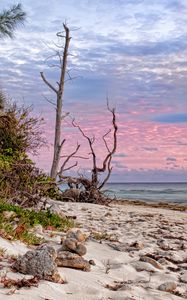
(58, 143)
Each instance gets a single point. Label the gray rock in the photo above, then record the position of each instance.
(168, 287)
(40, 263)
(143, 266)
(71, 260)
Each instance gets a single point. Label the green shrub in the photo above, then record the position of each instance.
(26, 219)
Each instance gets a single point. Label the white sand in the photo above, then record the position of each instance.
(115, 260)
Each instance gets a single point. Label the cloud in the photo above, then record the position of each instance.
(150, 149)
(120, 155)
(172, 118)
(171, 159)
(134, 51)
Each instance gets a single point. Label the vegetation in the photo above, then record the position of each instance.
(17, 224)
(10, 19)
(19, 134)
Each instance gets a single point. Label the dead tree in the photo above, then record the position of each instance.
(59, 92)
(93, 185)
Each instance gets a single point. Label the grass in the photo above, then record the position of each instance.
(99, 236)
(25, 219)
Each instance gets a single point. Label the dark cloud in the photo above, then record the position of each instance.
(120, 155)
(171, 159)
(150, 149)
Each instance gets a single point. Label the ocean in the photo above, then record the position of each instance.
(168, 192)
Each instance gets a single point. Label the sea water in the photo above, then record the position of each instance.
(168, 192)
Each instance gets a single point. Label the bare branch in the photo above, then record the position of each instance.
(62, 143)
(47, 82)
(111, 152)
(75, 156)
(65, 115)
(104, 136)
(108, 174)
(62, 169)
(48, 100)
(71, 167)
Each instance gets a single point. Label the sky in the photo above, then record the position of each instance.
(132, 51)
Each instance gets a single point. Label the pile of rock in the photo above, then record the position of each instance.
(72, 251)
(43, 261)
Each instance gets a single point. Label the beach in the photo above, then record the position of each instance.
(135, 249)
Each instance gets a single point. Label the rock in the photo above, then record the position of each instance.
(151, 261)
(163, 261)
(164, 245)
(183, 246)
(74, 242)
(73, 246)
(108, 214)
(168, 287)
(8, 214)
(137, 245)
(183, 278)
(71, 260)
(78, 235)
(81, 250)
(70, 244)
(40, 263)
(143, 266)
(92, 262)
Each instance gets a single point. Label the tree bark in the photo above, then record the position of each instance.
(58, 143)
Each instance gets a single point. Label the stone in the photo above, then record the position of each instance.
(108, 214)
(74, 242)
(183, 278)
(71, 260)
(163, 261)
(70, 244)
(92, 262)
(143, 266)
(78, 235)
(81, 249)
(163, 245)
(151, 261)
(168, 287)
(138, 245)
(40, 263)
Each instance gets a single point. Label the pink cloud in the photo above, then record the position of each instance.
(135, 138)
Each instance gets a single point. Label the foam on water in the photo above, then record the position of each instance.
(169, 192)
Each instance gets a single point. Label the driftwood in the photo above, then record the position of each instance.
(90, 188)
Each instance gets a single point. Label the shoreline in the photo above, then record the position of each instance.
(161, 204)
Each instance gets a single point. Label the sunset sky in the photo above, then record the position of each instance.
(134, 51)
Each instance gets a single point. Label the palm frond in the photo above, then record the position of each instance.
(10, 19)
